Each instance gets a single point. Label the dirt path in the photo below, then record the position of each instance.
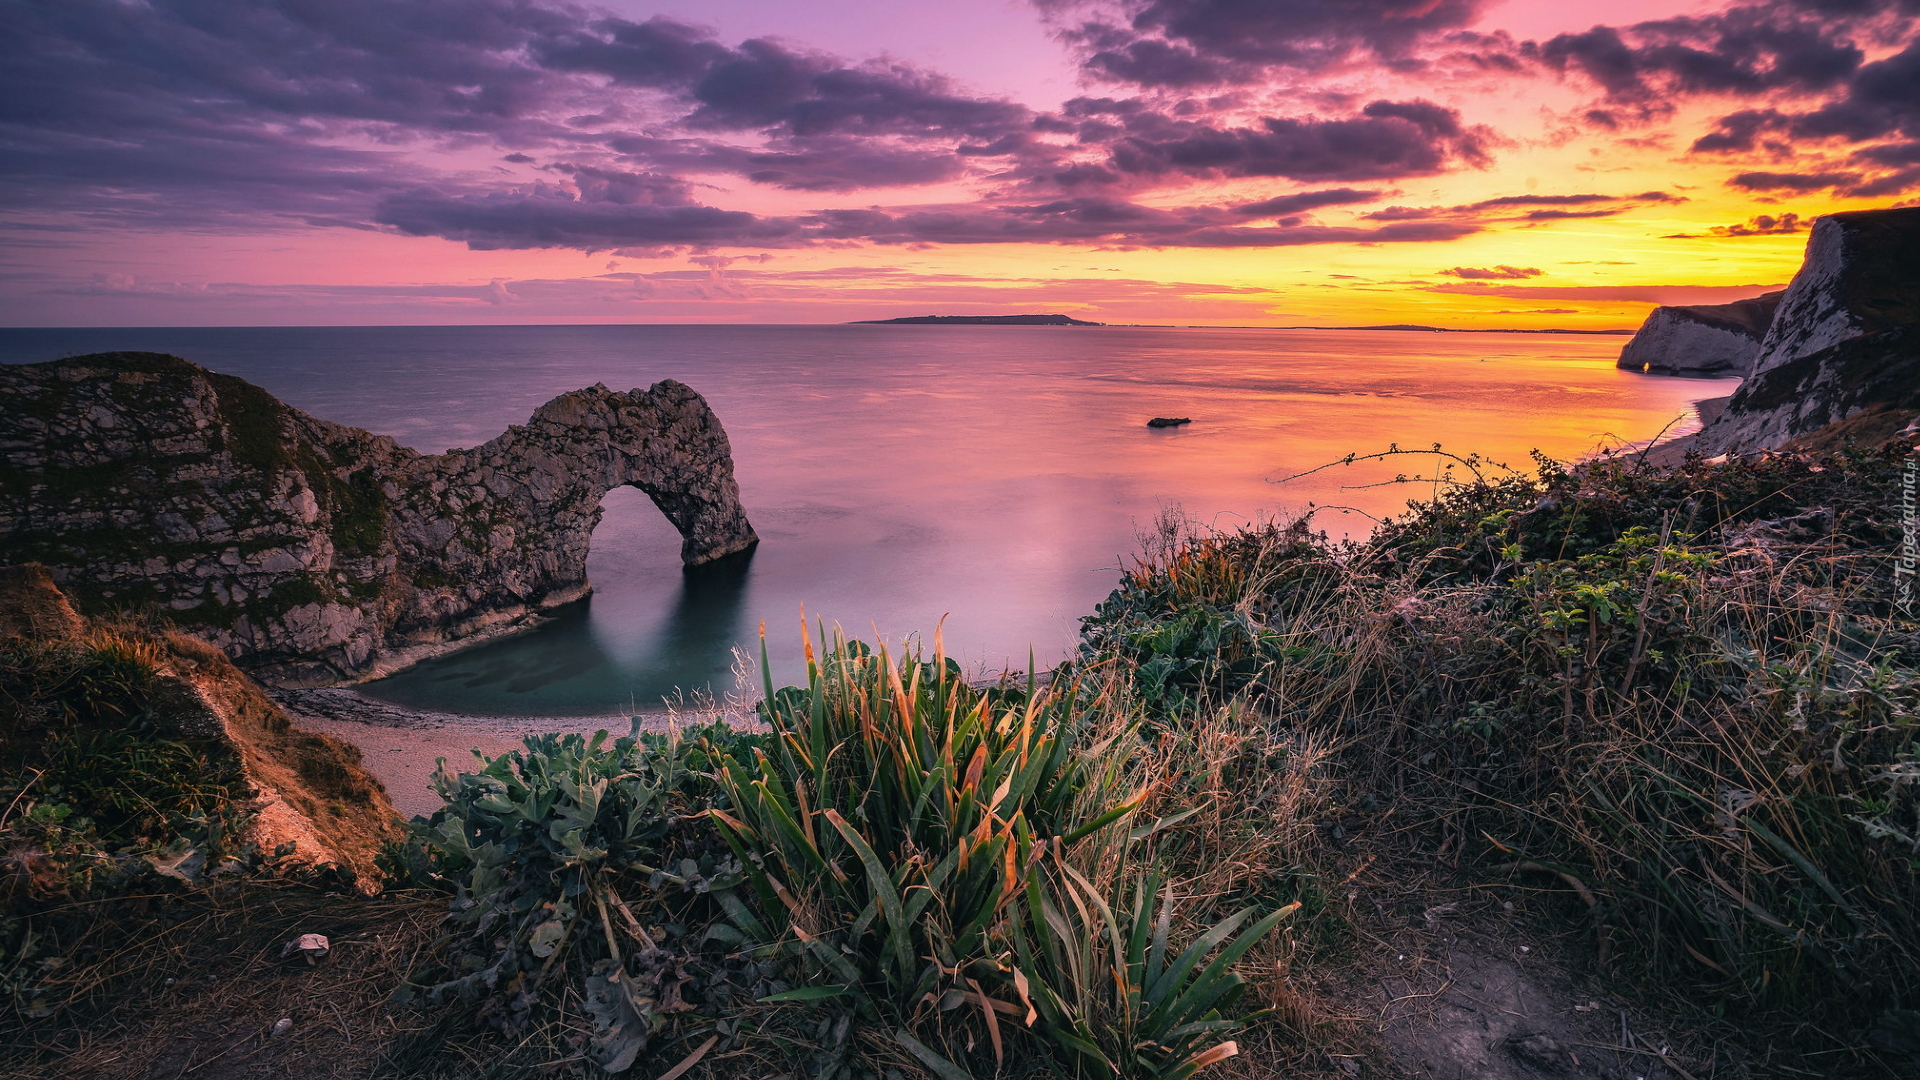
(1479, 1009)
(1444, 981)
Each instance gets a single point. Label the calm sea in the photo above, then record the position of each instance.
(994, 476)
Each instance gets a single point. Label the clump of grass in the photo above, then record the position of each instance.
(906, 873)
(1681, 693)
(943, 847)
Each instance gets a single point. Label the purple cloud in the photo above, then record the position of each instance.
(1493, 273)
(1784, 181)
(1761, 225)
(232, 110)
(1798, 51)
(1388, 139)
(529, 123)
(1747, 49)
(1302, 201)
(1510, 208)
(1187, 43)
(551, 219)
(554, 217)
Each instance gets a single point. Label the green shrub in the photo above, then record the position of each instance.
(101, 794)
(1186, 624)
(917, 846)
(1685, 689)
(904, 869)
(95, 774)
(549, 848)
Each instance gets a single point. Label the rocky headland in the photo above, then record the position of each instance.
(315, 553)
(1701, 340)
(1838, 361)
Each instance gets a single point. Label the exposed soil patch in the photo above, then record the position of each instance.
(1478, 1008)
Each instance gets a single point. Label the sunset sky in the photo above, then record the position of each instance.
(1238, 162)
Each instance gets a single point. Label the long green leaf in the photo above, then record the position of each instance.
(775, 805)
(1157, 992)
(807, 993)
(1217, 980)
(943, 1068)
(1107, 818)
(883, 891)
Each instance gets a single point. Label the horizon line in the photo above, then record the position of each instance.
(1400, 327)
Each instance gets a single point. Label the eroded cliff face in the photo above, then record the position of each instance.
(1861, 276)
(1701, 339)
(312, 552)
(309, 791)
(1844, 345)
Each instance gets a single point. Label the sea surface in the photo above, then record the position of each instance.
(995, 478)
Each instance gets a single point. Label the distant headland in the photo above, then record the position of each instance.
(978, 320)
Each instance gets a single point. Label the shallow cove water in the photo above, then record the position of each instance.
(994, 476)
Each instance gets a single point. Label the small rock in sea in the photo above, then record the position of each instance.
(1169, 421)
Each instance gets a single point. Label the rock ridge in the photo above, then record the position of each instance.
(315, 553)
(309, 790)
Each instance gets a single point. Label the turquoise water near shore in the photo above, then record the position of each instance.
(994, 476)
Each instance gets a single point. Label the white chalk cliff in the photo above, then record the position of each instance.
(1844, 344)
(1701, 339)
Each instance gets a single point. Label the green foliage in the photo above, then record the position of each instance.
(1182, 627)
(905, 857)
(1113, 992)
(253, 430)
(545, 847)
(96, 772)
(359, 510)
(884, 825)
(913, 842)
(100, 794)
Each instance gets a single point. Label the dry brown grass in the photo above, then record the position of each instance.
(192, 985)
(1716, 839)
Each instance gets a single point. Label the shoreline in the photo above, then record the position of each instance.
(401, 747)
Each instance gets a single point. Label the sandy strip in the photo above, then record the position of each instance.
(399, 746)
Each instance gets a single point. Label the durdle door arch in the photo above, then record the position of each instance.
(316, 553)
